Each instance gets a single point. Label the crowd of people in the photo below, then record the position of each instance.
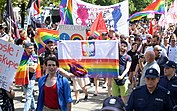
(147, 65)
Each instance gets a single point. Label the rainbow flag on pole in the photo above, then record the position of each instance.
(157, 7)
(97, 58)
(43, 36)
(66, 12)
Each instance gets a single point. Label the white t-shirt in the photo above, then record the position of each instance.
(172, 53)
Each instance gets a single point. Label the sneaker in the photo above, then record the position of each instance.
(86, 97)
(95, 94)
(76, 102)
(92, 84)
(23, 100)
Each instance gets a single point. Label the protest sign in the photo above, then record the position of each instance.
(114, 15)
(97, 58)
(10, 56)
(72, 32)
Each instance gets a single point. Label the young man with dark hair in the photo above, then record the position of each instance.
(120, 84)
(54, 89)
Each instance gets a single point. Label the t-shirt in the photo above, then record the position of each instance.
(147, 66)
(172, 53)
(123, 59)
(134, 57)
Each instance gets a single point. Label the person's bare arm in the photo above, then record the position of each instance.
(125, 71)
(69, 106)
(65, 73)
(39, 39)
(11, 93)
(141, 63)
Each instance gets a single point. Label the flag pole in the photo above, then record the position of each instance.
(10, 24)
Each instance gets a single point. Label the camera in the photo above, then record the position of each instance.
(140, 55)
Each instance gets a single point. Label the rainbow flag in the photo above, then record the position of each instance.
(21, 77)
(97, 58)
(157, 7)
(43, 36)
(66, 11)
(95, 67)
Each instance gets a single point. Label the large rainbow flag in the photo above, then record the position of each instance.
(43, 36)
(21, 77)
(66, 12)
(157, 7)
(97, 58)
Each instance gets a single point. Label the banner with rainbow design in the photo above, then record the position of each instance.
(96, 58)
(72, 32)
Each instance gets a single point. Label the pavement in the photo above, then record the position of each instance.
(94, 103)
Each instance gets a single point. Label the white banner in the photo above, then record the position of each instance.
(72, 32)
(10, 56)
(98, 58)
(115, 15)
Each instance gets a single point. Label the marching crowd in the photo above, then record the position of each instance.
(147, 64)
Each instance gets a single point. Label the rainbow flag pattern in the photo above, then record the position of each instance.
(66, 11)
(44, 35)
(21, 77)
(99, 68)
(157, 7)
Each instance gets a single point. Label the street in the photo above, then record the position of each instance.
(93, 103)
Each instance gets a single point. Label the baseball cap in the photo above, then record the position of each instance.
(104, 33)
(152, 73)
(170, 64)
(113, 103)
(50, 41)
(26, 45)
(91, 38)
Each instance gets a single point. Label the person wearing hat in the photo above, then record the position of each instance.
(113, 103)
(151, 96)
(3, 35)
(169, 80)
(111, 33)
(32, 62)
(105, 36)
(50, 50)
